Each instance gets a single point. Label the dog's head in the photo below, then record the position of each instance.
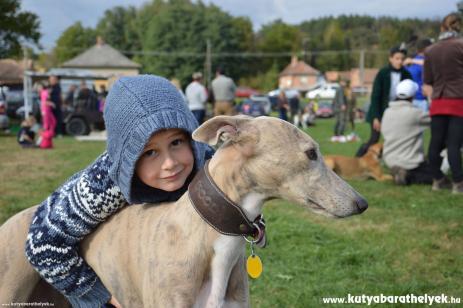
(275, 159)
(376, 150)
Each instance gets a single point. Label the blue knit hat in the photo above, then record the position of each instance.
(136, 108)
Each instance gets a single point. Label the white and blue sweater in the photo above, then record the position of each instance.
(74, 210)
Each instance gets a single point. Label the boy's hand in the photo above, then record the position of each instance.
(376, 125)
(113, 301)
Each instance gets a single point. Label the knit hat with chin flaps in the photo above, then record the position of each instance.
(135, 109)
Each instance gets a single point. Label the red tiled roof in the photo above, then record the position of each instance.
(299, 68)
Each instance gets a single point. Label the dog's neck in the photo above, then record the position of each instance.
(236, 184)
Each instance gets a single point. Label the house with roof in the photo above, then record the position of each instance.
(363, 79)
(360, 80)
(12, 72)
(104, 60)
(298, 75)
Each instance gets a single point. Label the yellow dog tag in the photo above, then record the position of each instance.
(254, 266)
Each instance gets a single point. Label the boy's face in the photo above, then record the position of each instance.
(166, 161)
(397, 60)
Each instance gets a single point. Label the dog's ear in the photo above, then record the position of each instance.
(221, 128)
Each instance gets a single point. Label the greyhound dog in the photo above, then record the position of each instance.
(166, 255)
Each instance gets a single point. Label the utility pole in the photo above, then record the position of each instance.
(305, 46)
(208, 64)
(460, 7)
(25, 83)
(362, 67)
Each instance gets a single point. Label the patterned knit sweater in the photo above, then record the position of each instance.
(74, 210)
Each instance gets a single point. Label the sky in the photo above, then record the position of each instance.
(56, 15)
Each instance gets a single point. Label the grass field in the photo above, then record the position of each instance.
(409, 241)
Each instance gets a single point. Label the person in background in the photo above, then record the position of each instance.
(102, 97)
(55, 98)
(26, 134)
(4, 121)
(282, 105)
(46, 108)
(339, 109)
(295, 109)
(87, 98)
(46, 139)
(70, 96)
(223, 89)
(351, 103)
(402, 128)
(308, 115)
(84, 92)
(103, 92)
(383, 92)
(196, 95)
(443, 71)
(415, 67)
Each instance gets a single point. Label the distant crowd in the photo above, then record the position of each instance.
(411, 94)
(53, 108)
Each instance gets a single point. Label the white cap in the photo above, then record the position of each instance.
(406, 89)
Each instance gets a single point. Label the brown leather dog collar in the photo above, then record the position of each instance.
(219, 211)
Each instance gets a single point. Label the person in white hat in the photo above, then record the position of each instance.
(402, 127)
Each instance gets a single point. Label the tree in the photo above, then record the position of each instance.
(73, 41)
(184, 39)
(118, 28)
(354, 32)
(278, 37)
(16, 28)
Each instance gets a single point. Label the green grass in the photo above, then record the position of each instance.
(409, 241)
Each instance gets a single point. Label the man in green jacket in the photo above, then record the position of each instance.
(383, 92)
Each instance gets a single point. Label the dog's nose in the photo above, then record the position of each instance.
(362, 204)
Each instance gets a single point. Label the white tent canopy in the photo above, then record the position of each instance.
(63, 73)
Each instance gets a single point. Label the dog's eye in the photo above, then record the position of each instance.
(311, 154)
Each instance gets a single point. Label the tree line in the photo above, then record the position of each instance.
(169, 38)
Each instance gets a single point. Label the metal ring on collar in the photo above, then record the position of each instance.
(258, 238)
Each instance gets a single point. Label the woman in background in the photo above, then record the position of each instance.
(443, 71)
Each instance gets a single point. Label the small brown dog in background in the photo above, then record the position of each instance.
(367, 166)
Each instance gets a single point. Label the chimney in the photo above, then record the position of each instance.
(293, 60)
(99, 41)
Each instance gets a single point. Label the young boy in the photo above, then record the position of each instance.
(383, 92)
(150, 157)
(26, 135)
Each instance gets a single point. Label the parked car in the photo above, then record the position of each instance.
(255, 106)
(265, 102)
(252, 108)
(14, 99)
(15, 104)
(273, 96)
(327, 91)
(84, 116)
(325, 109)
(245, 92)
(33, 108)
(4, 121)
